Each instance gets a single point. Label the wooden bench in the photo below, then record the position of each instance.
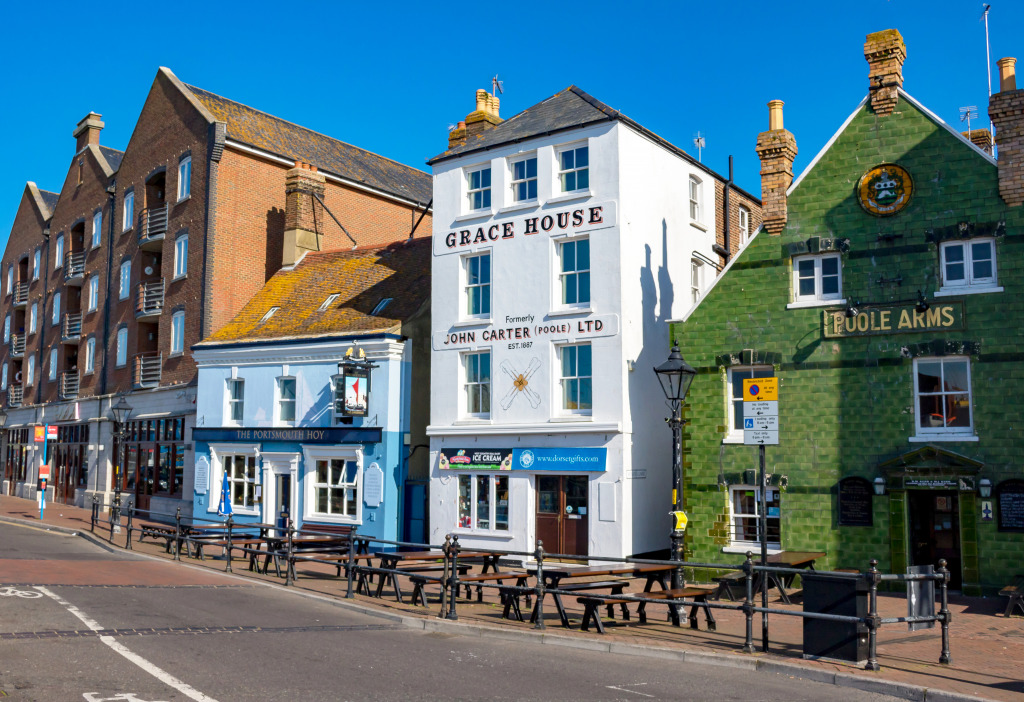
(616, 587)
(338, 559)
(592, 606)
(419, 581)
(726, 583)
(159, 530)
(342, 531)
(489, 577)
(244, 544)
(1016, 594)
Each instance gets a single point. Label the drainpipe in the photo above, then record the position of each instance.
(111, 191)
(41, 320)
(726, 251)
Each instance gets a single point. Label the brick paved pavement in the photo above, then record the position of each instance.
(987, 649)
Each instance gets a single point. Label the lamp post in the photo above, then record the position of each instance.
(121, 411)
(675, 376)
(3, 444)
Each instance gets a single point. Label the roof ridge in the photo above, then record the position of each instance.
(110, 148)
(306, 129)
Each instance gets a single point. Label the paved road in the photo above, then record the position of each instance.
(80, 623)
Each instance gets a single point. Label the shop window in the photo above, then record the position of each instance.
(97, 229)
(334, 479)
(476, 385)
(574, 169)
(745, 504)
(235, 400)
(483, 502)
(524, 179)
(744, 225)
(817, 278)
(736, 376)
(478, 188)
(575, 272)
(576, 380)
(942, 390)
(478, 285)
(696, 199)
(968, 265)
(286, 401)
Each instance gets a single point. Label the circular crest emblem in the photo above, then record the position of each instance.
(885, 190)
(526, 458)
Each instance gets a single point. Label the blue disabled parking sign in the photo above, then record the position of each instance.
(748, 423)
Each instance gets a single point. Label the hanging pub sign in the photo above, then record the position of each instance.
(355, 384)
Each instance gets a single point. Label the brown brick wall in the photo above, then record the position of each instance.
(737, 199)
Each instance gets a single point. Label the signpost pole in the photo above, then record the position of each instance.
(42, 480)
(763, 529)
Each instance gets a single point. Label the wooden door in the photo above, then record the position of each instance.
(935, 531)
(146, 477)
(563, 522)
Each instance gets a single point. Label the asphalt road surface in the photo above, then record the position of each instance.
(80, 623)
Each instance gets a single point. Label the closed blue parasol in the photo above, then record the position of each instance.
(224, 506)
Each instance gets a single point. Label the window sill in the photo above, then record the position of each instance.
(471, 421)
(753, 548)
(125, 231)
(733, 439)
(574, 195)
(176, 278)
(489, 533)
(803, 304)
(476, 214)
(572, 418)
(175, 354)
(928, 438)
(524, 205)
(331, 519)
(698, 225)
(568, 311)
(968, 290)
(481, 322)
(184, 199)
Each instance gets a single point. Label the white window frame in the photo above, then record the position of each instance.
(3, 377)
(485, 191)
(10, 279)
(97, 229)
(121, 358)
(37, 262)
(184, 178)
(93, 297)
(575, 169)
(563, 409)
(337, 400)
(30, 370)
(471, 526)
(936, 433)
(33, 318)
(218, 453)
(280, 401)
(231, 402)
(181, 257)
(124, 289)
(468, 287)
(7, 328)
(58, 251)
(696, 279)
(90, 355)
(969, 282)
(695, 193)
(128, 211)
(55, 319)
(743, 222)
(468, 385)
(576, 273)
(178, 333)
(734, 435)
(514, 182)
(741, 545)
(53, 364)
(817, 297)
(311, 455)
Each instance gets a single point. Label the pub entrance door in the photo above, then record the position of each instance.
(562, 514)
(935, 531)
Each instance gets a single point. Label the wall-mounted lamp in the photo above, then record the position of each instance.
(879, 485)
(985, 487)
(922, 305)
(851, 310)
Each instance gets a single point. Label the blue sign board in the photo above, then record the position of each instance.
(560, 459)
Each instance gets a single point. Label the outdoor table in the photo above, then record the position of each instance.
(389, 560)
(803, 560)
(554, 575)
(276, 544)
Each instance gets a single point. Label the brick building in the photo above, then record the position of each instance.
(143, 253)
(881, 292)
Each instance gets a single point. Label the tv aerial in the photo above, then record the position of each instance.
(496, 86)
(699, 143)
(967, 114)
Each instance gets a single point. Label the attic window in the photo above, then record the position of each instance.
(269, 314)
(327, 303)
(380, 306)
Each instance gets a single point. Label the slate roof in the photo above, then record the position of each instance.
(263, 131)
(49, 198)
(113, 156)
(362, 278)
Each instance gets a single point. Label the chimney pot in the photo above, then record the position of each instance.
(1007, 73)
(313, 169)
(775, 114)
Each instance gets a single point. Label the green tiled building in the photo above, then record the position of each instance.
(885, 291)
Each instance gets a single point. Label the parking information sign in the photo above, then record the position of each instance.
(760, 411)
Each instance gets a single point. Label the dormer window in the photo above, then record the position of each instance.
(269, 314)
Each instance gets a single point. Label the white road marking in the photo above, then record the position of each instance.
(158, 673)
(24, 594)
(622, 689)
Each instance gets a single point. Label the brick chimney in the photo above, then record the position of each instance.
(982, 138)
(484, 117)
(1006, 110)
(885, 52)
(88, 131)
(777, 150)
(303, 215)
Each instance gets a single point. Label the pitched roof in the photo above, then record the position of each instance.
(362, 279)
(113, 156)
(50, 199)
(269, 133)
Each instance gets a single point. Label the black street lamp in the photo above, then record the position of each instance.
(121, 411)
(675, 376)
(3, 446)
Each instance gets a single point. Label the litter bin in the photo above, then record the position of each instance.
(832, 640)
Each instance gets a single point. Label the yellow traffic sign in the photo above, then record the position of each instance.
(760, 389)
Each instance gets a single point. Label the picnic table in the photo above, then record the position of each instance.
(803, 560)
(304, 545)
(420, 562)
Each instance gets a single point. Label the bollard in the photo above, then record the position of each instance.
(539, 607)
(944, 613)
(349, 572)
(873, 620)
(288, 554)
(446, 549)
(748, 603)
(128, 528)
(454, 579)
(177, 535)
(231, 524)
(95, 513)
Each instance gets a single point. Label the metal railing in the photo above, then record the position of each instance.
(14, 395)
(152, 224)
(71, 329)
(147, 370)
(20, 294)
(69, 382)
(17, 345)
(149, 300)
(74, 266)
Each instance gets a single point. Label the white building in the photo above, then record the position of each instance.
(564, 239)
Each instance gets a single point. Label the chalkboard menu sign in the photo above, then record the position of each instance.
(1010, 505)
(855, 502)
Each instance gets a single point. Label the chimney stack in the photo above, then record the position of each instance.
(88, 131)
(885, 52)
(777, 150)
(300, 212)
(982, 138)
(484, 117)
(1006, 110)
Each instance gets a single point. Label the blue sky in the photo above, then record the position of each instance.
(392, 77)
